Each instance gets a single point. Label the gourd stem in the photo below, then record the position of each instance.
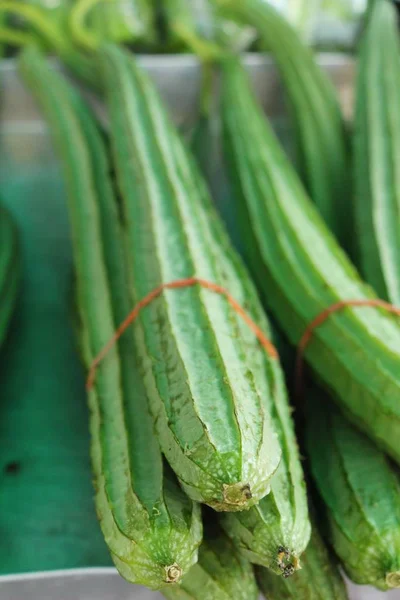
(82, 35)
(207, 51)
(14, 37)
(393, 579)
(39, 20)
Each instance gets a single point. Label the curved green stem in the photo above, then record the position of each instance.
(207, 51)
(86, 38)
(14, 37)
(52, 34)
(39, 21)
(77, 22)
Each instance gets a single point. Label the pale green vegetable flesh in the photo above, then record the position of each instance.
(151, 528)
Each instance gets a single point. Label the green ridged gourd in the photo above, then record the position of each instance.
(302, 271)
(376, 152)
(321, 146)
(150, 526)
(210, 383)
(222, 573)
(276, 532)
(318, 579)
(361, 493)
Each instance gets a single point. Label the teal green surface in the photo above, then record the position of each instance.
(47, 515)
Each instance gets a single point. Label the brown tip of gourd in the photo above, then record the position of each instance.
(173, 573)
(237, 494)
(287, 563)
(393, 579)
(296, 563)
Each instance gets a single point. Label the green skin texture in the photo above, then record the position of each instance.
(222, 573)
(210, 384)
(376, 151)
(318, 579)
(302, 271)
(361, 492)
(281, 519)
(9, 270)
(148, 522)
(322, 156)
(375, 178)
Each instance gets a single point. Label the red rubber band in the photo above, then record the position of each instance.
(173, 285)
(320, 319)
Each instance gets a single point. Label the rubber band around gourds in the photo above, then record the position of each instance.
(173, 285)
(262, 338)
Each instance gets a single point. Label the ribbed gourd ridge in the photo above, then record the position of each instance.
(222, 573)
(302, 271)
(152, 529)
(276, 532)
(208, 380)
(376, 152)
(280, 521)
(319, 578)
(377, 185)
(361, 492)
(9, 270)
(321, 150)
